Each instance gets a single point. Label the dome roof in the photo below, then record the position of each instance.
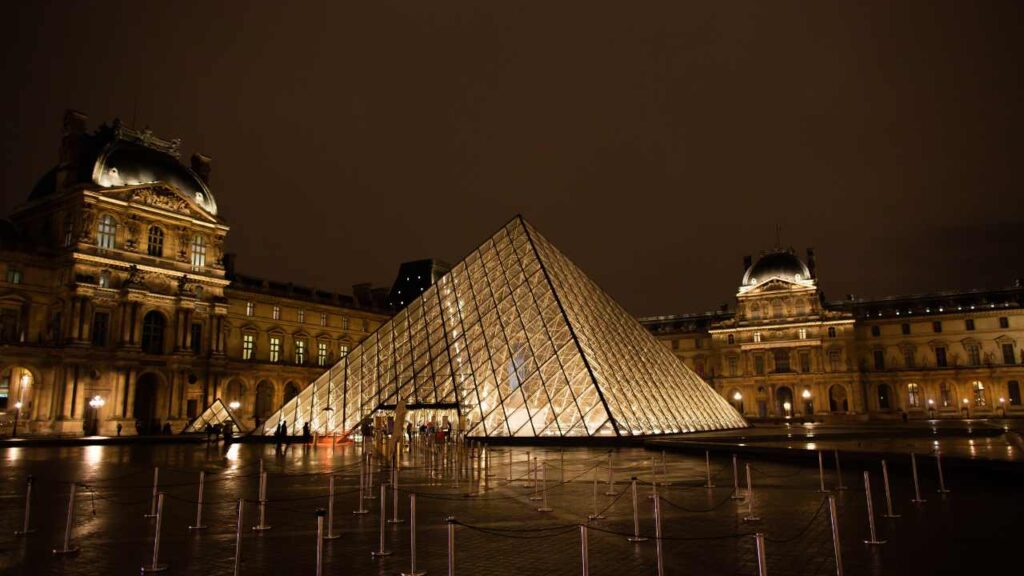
(781, 264)
(124, 163)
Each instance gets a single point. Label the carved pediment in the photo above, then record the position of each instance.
(160, 196)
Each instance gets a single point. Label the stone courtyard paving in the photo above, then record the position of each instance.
(973, 529)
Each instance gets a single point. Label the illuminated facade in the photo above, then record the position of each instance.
(787, 352)
(114, 285)
(525, 345)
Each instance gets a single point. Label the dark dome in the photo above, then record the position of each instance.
(781, 264)
(124, 163)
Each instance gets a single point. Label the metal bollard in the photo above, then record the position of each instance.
(152, 506)
(412, 539)
(394, 496)
(750, 517)
(544, 507)
(584, 553)
(636, 537)
(330, 512)
(320, 540)
(369, 478)
(654, 481)
(199, 503)
(67, 549)
(871, 512)
(536, 486)
(383, 523)
(707, 468)
(839, 473)
(888, 493)
(611, 477)
(25, 530)
(657, 535)
(735, 480)
(528, 469)
(238, 537)
(762, 564)
(821, 473)
(362, 489)
(156, 566)
(942, 480)
(263, 505)
(597, 514)
(451, 545)
(917, 487)
(834, 518)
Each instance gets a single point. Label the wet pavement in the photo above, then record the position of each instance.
(499, 531)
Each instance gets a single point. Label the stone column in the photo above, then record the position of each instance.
(87, 308)
(136, 327)
(186, 341)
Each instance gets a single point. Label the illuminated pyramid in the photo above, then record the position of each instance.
(216, 414)
(523, 344)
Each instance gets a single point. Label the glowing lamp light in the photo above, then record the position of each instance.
(806, 394)
(931, 402)
(965, 400)
(1002, 400)
(234, 405)
(26, 379)
(17, 405)
(737, 396)
(787, 406)
(97, 402)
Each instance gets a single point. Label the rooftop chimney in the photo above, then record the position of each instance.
(201, 166)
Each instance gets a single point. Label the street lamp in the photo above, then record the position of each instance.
(234, 405)
(737, 396)
(806, 394)
(787, 406)
(17, 416)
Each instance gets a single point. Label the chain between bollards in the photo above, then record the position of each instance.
(536, 486)
(199, 503)
(544, 507)
(383, 523)
(871, 512)
(25, 530)
(611, 477)
(156, 566)
(412, 539)
(750, 517)
(597, 513)
(67, 549)
(636, 537)
(917, 486)
(888, 493)
(834, 518)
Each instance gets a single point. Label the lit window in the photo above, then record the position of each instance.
(757, 336)
(155, 245)
(979, 392)
(249, 307)
(105, 279)
(275, 349)
(323, 319)
(276, 313)
(302, 316)
(803, 333)
(106, 231)
(248, 346)
(913, 395)
(343, 350)
(321, 353)
(300, 351)
(13, 275)
(198, 252)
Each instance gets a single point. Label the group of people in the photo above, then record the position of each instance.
(428, 430)
(281, 432)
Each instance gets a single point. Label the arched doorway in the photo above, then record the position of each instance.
(234, 395)
(153, 327)
(291, 390)
(784, 401)
(16, 386)
(884, 397)
(837, 402)
(147, 398)
(264, 401)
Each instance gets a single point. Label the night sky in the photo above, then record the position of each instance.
(654, 143)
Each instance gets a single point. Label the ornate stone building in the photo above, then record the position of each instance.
(787, 352)
(118, 305)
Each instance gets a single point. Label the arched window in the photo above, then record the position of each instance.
(978, 389)
(106, 231)
(198, 252)
(913, 395)
(153, 324)
(155, 247)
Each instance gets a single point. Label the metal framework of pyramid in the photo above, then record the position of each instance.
(216, 414)
(523, 344)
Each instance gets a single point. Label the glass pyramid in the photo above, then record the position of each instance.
(523, 344)
(216, 414)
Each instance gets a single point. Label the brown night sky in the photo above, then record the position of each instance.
(654, 143)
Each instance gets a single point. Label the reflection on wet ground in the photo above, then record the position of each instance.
(500, 529)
